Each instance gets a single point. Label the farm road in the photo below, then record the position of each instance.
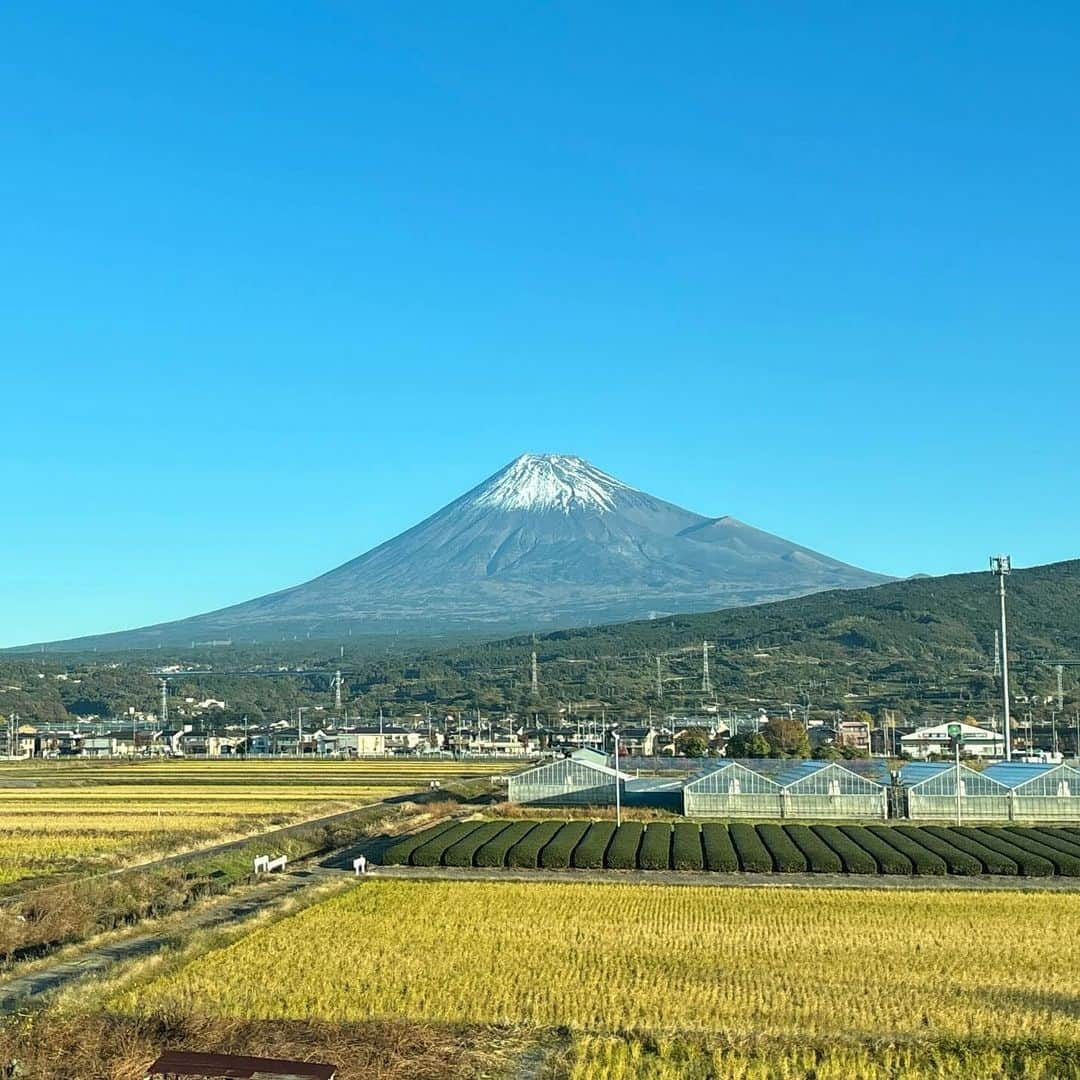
(740, 881)
(94, 961)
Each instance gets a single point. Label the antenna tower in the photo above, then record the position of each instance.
(164, 702)
(997, 654)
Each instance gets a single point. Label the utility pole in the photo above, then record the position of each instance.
(618, 805)
(706, 684)
(1001, 567)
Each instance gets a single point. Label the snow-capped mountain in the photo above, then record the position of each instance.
(547, 541)
(550, 482)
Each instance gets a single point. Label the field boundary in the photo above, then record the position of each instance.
(742, 880)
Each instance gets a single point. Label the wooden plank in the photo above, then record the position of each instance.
(183, 1063)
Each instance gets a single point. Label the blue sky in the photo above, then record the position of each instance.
(280, 280)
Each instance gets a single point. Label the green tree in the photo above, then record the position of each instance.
(754, 745)
(786, 737)
(694, 742)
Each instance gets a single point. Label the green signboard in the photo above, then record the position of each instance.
(954, 731)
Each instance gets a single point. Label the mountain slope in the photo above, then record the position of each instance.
(548, 540)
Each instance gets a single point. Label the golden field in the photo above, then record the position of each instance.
(59, 818)
(860, 982)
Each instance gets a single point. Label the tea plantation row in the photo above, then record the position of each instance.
(768, 848)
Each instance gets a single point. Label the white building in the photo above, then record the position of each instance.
(975, 742)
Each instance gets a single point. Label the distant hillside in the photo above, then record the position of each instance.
(936, 618)
(922, 648)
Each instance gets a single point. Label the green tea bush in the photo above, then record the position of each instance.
(922, 860)
(889, 860)
(719, 851)
(494, 852)
(754, 857)
(622, 851)
(556, 854)
(398, 853)
(855, 860)
(464, 851)
(431, 853)
(686, 847)
(525, 854)
(1065, 862)
(589, 854)
(819, 856)
(786, 856)
(1031, 863)
(993, 862)
(1058, 838)
(956, 861)
(655, 850)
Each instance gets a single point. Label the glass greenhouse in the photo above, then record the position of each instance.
(575, 780)
(1040, 792)
(733, 790)
(932, 793)
(827, 789)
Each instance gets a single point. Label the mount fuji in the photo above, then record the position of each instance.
(548, 541)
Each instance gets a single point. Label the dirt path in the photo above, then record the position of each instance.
(984, 883)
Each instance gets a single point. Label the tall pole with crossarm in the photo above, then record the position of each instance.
(1001, 567)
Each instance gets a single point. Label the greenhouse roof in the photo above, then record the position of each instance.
(803, 770)
(731, 766)
(1014, 773)
(799, 771)
(566, 763)
(593, 757)
(920, 773)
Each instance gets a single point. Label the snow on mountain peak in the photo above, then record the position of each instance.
(550, 482)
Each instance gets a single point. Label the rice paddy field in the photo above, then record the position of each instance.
(642, 981)
(67, 818)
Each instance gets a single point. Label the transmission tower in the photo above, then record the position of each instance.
(164, 702)
(535, 674)
(337, 691)
(1001, 566)
(659, 680)
(706, 684)
(1061, 693)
